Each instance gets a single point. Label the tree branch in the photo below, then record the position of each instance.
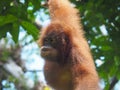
(113, 83)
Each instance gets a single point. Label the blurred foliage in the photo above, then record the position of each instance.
(101, 21)
(16, 13)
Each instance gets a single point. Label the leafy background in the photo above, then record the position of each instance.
(101, 21)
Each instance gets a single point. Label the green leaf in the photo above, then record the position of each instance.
(117, 60)
(4, 29)
(15, 32)
(3, 33)
(106, 48)
(31, 29)
(7, 19)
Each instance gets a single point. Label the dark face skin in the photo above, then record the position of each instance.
(55, 47)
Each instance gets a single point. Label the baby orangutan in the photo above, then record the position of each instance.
(68, 61)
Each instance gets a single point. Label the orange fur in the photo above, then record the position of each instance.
(79, 72)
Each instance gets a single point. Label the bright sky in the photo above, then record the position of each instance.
(31, 55)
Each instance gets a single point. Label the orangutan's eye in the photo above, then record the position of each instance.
(52, 40)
